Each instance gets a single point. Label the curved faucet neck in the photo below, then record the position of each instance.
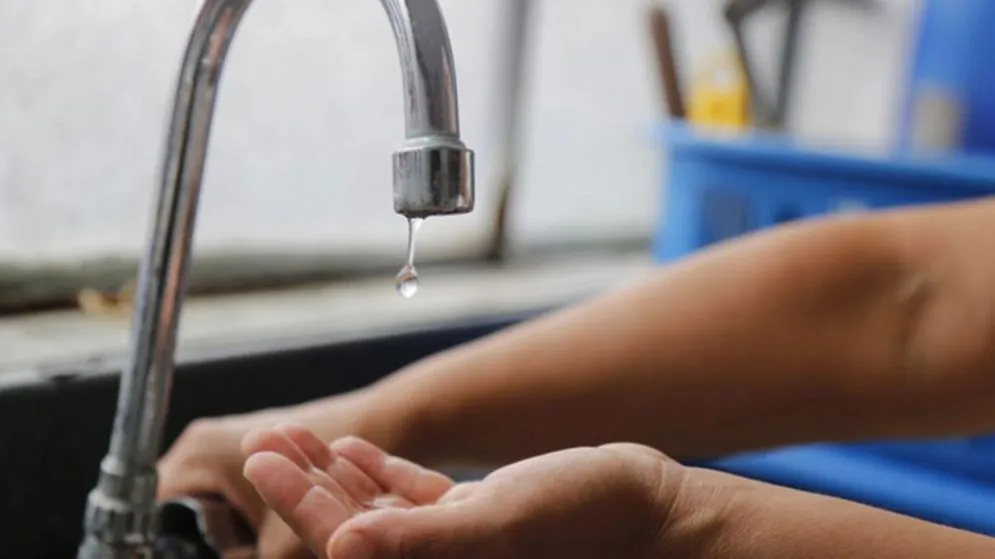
(433, 175)
(427, 68)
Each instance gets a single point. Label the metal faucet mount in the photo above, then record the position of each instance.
(433, 175)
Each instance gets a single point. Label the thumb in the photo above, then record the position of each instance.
(443, 531)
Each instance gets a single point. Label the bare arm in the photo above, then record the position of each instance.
(725, 517)
(855, 327)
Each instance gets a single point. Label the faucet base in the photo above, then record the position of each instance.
(94, 549)
(120, 521)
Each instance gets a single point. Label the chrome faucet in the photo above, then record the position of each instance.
(433, 175)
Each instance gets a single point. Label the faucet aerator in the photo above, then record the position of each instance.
(433, 180)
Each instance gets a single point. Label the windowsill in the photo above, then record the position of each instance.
(334, 310)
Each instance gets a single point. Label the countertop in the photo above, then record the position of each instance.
(43, 340)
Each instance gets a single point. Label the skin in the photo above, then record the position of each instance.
(357, 502)
(353, 501)
(855, 327)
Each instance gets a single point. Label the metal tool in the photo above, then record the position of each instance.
(767, 113)
(433, 175)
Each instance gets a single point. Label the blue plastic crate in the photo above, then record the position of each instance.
(919, 479)
(721, 188)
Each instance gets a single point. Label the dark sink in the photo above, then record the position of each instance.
(55, 427)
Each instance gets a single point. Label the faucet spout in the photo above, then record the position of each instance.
(433, 175)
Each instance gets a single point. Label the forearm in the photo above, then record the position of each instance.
(807, 333)
(724, 517)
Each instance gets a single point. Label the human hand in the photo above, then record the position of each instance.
(351, 500)
(207, 459)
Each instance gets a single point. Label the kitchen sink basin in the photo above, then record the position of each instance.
(55, 425)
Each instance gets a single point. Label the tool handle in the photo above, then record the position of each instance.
(663, 43)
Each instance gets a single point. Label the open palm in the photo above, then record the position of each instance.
(316, 487)
(351, 500)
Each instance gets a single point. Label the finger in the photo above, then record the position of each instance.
(316, 450)
(278, 541)
(272, 440)
(395, 475)
(240, 494)
(388, 501)
(176, 483)
(276, 440)
(180, 476)
(430, 532)
(459, 492)
(335, 489)
(358, 484)
(193, 480)
(308, 508)
(345, 475)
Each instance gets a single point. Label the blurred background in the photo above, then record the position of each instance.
(298, 176)
(644, 132)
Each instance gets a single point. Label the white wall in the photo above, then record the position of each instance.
(309, 113)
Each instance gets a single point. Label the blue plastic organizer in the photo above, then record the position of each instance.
(720, 188)
(954, 53)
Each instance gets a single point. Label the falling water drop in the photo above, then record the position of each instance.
(407, 278)
(407, 282)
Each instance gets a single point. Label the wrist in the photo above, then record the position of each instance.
(698, 511)
(396, 416)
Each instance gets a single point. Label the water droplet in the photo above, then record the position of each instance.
(407, 282)
(407, 278)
